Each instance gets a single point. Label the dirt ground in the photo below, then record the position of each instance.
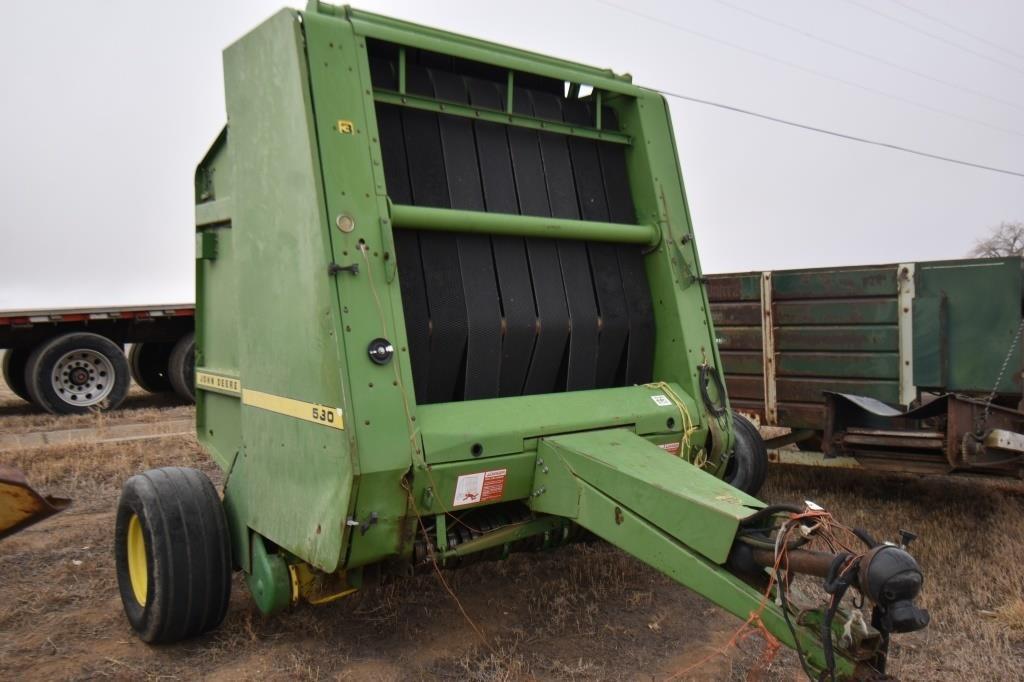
(585, 612)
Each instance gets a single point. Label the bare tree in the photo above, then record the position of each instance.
(1005, 240)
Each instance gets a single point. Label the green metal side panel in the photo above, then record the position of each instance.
(692, 506)
(982, 310)
(287, 306)
(383, 410)
(838, 283)
(218, 416)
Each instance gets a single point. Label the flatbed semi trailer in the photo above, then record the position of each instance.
(73, 360)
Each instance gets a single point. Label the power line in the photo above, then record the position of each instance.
(805, 69)
(866, 55)
(834, 133)
(934, 36)
(956, 28)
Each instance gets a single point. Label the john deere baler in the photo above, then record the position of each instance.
(449, 306)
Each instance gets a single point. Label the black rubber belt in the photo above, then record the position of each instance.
(545, 273)
(407, 244)
(480, 289)
(636, 288)
(581, 369)
(513, 270)
(439, 251)
(604, 262)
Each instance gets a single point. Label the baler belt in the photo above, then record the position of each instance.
(604, 264)
(438, 250)
(581, 371)
(545, 272)
(492, 316)
(635, 287)
(513, 270)
(483, 347)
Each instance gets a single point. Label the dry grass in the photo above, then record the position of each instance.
(585, 612)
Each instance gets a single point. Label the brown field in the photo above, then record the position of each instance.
(586, 612)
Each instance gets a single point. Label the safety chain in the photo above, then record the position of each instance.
(999, 378)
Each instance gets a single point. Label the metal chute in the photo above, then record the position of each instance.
(20, 505)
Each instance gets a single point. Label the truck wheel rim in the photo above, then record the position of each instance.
(138, 572)
(83, 377)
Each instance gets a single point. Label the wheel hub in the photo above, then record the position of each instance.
(83, 377)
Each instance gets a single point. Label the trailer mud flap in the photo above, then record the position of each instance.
(20, 505)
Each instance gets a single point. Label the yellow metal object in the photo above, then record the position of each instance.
(317, 588)
(311, 412)
(138, 570)
(20, 505)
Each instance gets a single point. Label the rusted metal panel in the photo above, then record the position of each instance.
(882, 338)
(744, 387)
(738, 338)
(736, 314)
(838, 365)
(744, 287)
(802, 415)
(20, 505)
(811, 389)
(836, 311)
(838, 283)
(742, 362)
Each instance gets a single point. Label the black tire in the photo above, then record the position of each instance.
(177, 516)
(15, 360)
(95, 359)
(149, 364)
(182, 367)
(748, 465)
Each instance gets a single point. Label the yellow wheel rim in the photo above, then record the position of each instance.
(138, 571)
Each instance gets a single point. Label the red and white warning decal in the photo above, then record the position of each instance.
(483, 486)
(672, 448)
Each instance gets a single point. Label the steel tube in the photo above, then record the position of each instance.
(802, 561)
(451, 220)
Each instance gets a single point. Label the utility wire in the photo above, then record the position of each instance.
(834, 133)
(806, 69)
(918, 29)
(956, 28)
(866, 55)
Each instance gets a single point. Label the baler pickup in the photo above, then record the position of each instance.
(449, 306)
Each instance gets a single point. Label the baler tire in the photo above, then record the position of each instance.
(149, 363)
(101, 363)
(182, 367)
(748, 466)
(172, 554)
(15, 360)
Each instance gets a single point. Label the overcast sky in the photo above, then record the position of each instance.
(108, 106)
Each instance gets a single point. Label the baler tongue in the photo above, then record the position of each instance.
(20, 505)
(706, 535)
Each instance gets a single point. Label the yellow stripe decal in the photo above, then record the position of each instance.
(310, 412)
(218, 383)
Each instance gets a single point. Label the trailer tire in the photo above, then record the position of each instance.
(182, 367)
(748, 466)
(149, 363)
(77, 373)
(172, 553)
(15, 360)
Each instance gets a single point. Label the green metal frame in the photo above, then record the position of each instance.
(328, 458)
